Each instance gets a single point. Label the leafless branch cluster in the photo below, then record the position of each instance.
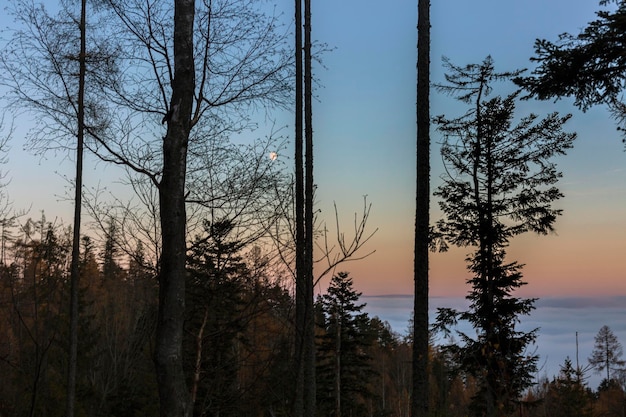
(344, 250)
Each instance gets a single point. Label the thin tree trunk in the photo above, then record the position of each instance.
(198, 364)
(309, 370)
(300, 240)
(75, 263)
(173, 394)
(419, 402)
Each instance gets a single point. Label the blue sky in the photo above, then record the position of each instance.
(364, 122)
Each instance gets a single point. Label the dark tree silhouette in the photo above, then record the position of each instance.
(499, 183)
(173, 391)
(344, 367)
(607, 352)
(300, 270)
(590, 67)
(214, 320)
(567, 395)
(304, 402)
(419, 400)
(78, 198)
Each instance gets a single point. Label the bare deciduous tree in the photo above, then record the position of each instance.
(199, 70)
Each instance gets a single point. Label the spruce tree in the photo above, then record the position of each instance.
(343, 365)
(499, 183)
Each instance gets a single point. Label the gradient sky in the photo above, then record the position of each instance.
(364, 122)
(365, 141)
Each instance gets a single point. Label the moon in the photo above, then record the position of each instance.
(273, 156)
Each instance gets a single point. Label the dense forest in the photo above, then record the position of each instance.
(200, 294)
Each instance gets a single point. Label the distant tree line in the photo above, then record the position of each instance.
(238, 346)
(238, 341)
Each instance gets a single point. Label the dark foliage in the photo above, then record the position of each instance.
(499, 184)
(590, 66)
(247, 348)
(566, 395)
(235, 329)
(344, 366)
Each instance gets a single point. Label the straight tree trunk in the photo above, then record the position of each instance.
(419, 401)
(300, 240)
(173, 394)
(78, 193)
(309, 363)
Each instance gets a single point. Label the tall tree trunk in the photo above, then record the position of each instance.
(304, 404)
(309, 370)
(173, 394)
(419, 402)
(78, 193)
(300, 240)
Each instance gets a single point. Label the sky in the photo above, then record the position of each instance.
(364, 124)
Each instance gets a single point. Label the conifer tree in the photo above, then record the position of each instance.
(214, 319)
(344, 367)
(590, 66)
(607, 352)
(567, 395)
(499, 184)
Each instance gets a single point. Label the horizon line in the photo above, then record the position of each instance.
(571, 301)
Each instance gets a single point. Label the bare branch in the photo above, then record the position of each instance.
(347, 250)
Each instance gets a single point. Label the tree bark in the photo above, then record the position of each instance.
(309, 350)
(419, 402)
(173, 394)
(304, 404)
(300, 240)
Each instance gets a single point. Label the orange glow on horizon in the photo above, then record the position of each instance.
(576, 262)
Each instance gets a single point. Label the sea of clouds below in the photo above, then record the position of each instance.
(557, 318)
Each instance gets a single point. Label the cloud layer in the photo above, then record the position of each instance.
(559, 320)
